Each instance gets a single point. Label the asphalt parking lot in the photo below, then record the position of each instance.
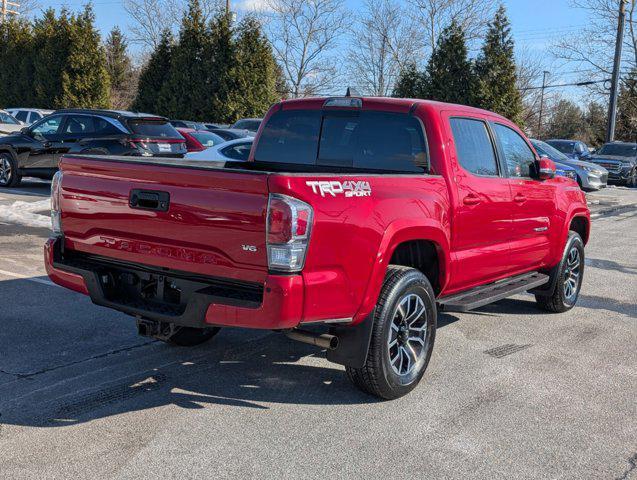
(511, 392)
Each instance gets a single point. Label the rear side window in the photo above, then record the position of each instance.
(22, 115)
(239, 151)
(473, 146)
(517, 154)
(367, 140)
(207, 139)
(153, 128)
(7, 118)
(79, 124)
(564, 147)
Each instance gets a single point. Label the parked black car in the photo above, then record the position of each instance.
(36, 150)
(620, 159)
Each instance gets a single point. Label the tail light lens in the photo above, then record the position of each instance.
(56, 211)
(289, 224)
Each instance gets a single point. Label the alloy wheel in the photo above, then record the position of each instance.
(5, 171)
(572, 273)
(407, 338)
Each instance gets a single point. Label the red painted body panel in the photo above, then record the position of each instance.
(214, 213)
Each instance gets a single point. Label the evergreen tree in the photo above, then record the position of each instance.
(495, 71)
(120, 69)
(282, 87)
(153, 76)
(410, 83)
(566, 122)
(255, 72)
(595, 119)
(52, 43)
(626, 129)
(224, 95)
(85, 82)
(449, 74)
(16, 59)
(186, 87)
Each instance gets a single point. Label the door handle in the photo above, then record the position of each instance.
(519, 198)
(471, 199)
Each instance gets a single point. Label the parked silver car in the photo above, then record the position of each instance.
(28, 115)
(8, 123)
(589, 176)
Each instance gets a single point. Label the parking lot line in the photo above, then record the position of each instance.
(26, 277)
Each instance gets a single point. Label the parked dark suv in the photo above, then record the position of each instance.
(620, 159)
(36, 149)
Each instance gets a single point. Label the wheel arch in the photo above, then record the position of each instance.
(581, 225)
(10, 150)
(412, 245)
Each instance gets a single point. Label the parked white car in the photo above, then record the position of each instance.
(8, 123)
(28, 115)
(233, 151)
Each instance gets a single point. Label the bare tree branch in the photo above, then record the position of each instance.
(592, 48)
(381, 45)
(303, 34)
(152, 17)
(434, 15)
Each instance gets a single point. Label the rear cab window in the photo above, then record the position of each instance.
(344, 140)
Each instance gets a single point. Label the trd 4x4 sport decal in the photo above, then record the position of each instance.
(350, 188)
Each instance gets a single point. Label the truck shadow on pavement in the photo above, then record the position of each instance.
(63, 376)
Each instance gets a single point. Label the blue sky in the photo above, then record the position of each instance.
(535, 23)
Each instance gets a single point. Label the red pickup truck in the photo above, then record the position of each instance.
(360, 216)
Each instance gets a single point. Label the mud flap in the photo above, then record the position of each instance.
(353, 343)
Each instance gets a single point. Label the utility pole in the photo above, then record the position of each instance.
(539, 120)
(7, 10)
(229, 13)
(612, 104)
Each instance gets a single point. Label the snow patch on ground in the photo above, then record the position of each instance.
(24, 213)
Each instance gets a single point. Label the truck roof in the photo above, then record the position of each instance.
(385, 103)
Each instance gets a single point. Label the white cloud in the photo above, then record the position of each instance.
(253, 5)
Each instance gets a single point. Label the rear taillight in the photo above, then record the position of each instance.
(56, 211)
(289, 224)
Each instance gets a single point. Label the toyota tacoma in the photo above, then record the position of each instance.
(354, 221)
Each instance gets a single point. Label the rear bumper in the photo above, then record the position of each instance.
(201, 302)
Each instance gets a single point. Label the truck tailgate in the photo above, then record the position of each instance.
(213, 223)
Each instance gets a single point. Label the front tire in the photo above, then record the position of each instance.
(402, 338)
(569, 278)
(9, 174)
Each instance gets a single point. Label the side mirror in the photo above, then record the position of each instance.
(545, 168)
(24, 131)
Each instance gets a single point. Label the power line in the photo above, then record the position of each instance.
(576, 84)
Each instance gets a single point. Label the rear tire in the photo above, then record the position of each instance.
(9, 174)
(190, 337)
(569, 278)
(402, 338)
